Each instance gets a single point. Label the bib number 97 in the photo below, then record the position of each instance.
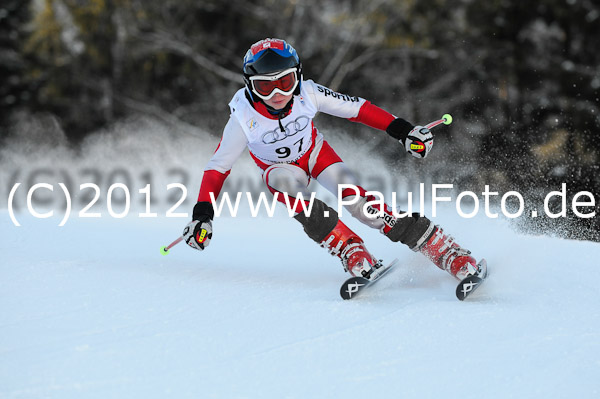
(285, 152)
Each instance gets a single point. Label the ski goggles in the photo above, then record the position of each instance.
(265, 86)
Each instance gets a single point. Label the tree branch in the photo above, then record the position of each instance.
(165, 41)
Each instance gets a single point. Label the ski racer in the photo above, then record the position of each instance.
(272, 116)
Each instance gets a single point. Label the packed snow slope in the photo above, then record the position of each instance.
(92, 310)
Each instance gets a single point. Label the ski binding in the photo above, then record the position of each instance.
(354, 285)
(469, 284)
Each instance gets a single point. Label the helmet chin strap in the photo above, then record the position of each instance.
(280, 112)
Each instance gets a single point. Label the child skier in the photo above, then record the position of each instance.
(273, 117)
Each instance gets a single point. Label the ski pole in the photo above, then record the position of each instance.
(165, 250)
(446, 120)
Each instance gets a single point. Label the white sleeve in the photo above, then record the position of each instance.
(332, 103)
(232, 145)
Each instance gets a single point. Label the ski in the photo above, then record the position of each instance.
(355, 285)
(469, 284)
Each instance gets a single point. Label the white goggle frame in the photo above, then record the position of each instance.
(275, 77)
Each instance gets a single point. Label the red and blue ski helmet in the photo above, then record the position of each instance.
(269, 56)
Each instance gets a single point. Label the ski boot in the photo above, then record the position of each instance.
(350, 248)
(451, 257)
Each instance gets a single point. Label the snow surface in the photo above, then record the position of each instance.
(93, 310)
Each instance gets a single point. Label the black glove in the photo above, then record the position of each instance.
(399, 129)
(417, 140)
(198, 233)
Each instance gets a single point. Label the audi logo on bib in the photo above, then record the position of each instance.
(292, 128)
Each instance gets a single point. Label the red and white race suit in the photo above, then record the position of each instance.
(289, 158)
